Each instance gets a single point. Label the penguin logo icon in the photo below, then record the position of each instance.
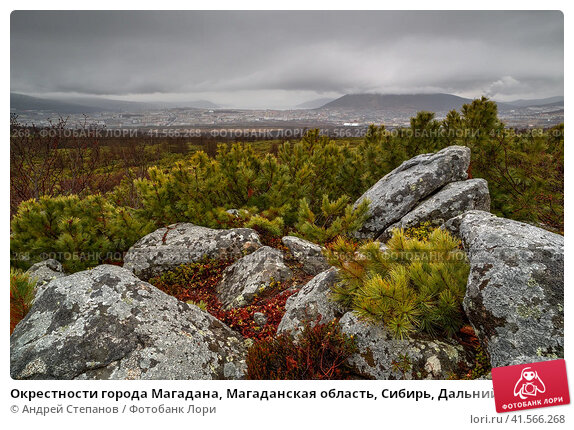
(529, 384)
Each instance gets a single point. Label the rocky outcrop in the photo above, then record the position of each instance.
(515, 291)
(398, 192)
(250, 275)
(381, 356)
(45, 271)
(107, 324)
(450, 201)
(311, 304)
(169, 247)
(308, 254)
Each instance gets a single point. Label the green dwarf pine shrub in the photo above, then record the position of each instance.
(200, 304)
(268, 223)
(420, 232)
(415, 285)
(336, 218)
(80, 232)
(525, 173)
(239, 178)
(273, 227)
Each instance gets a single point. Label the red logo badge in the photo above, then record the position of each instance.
(529, 386)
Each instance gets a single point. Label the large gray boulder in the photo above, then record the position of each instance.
(250, 275)
(45, 271)
(452, 200)
(107, 324)
(515, 292)
(311, 304)
(184, 243)
(398, 192)
(308, 254)
(381, 356)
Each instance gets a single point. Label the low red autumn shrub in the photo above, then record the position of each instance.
(320, 352)
(21, 296)
(197, 282)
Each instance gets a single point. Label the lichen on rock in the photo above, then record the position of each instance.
(184, 243)
(107, 324)
(515, 291)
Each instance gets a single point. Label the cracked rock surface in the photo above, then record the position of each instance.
(307, 253)
(311, 304)
(184, 243)
(452, 200)
(379, 353)
(515, 291)
(44, 271)
(398, 192)
(105, 323)
(251, 275)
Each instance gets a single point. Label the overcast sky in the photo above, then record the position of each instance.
(280, 59)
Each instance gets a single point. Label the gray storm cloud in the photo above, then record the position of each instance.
(265, 58)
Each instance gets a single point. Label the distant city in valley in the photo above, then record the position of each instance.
(350, 112)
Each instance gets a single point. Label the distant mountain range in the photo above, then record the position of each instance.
(412, 102)
(428, 102)
(21, 102)
(549, 101)
(78, 105)
(418, 102)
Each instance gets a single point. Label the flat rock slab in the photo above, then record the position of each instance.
(307, 253)
(452, 200)
(311, 304)
(515, 291)
(107, 324)
(379, 353)
(251, 275)
(398, 192)
(184, 243)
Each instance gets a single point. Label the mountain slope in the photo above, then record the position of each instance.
(21, 102)
(550, 101)
(314, 104)
(430, 102)
(69, 105)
